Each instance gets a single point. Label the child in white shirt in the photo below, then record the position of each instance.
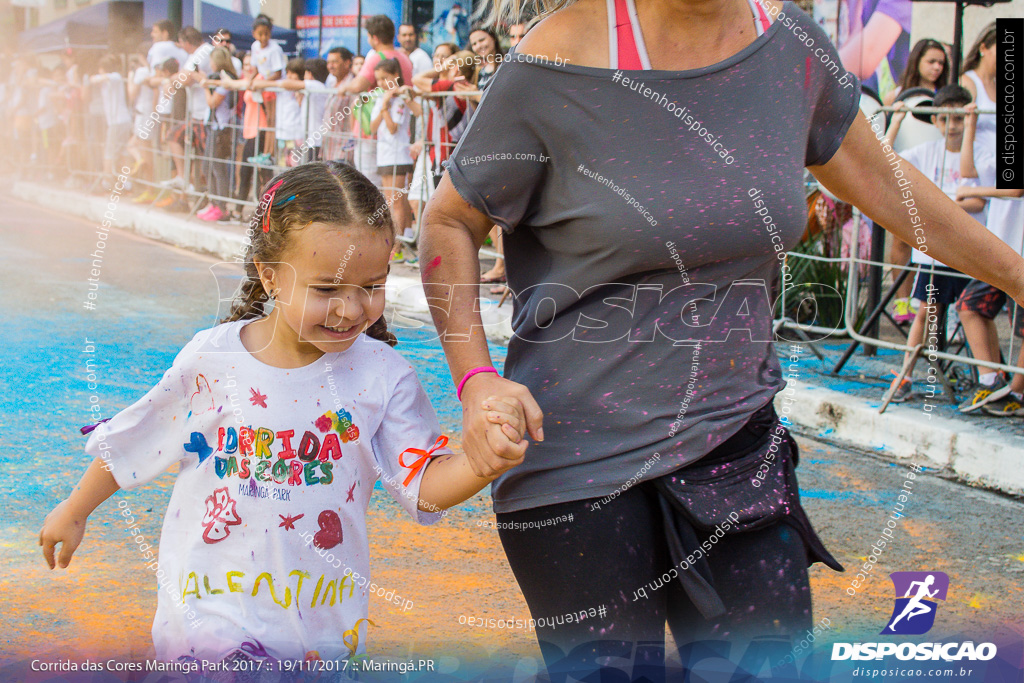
(390, 119)
(280, 423)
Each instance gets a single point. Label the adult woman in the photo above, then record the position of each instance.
(979, 76)
(590, 266)
(484, 43)
(447, 117)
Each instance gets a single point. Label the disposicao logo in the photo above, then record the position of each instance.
(913, 614)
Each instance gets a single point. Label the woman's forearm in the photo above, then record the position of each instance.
(919, 213)
(450, 269)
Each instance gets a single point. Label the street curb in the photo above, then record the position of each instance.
(142, 220)
(903, 433)
(907, 433)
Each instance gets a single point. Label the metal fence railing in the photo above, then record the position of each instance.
(200, 151)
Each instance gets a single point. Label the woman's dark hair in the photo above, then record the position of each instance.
(262, 20)
(986, 37)
(912, 75)
(393, 67)
(324, 192)
(489, 31)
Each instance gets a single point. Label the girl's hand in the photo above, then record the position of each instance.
(508, 415)
(899, 113)
(62, 526)
(488, 447)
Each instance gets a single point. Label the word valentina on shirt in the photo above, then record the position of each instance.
(262, 454)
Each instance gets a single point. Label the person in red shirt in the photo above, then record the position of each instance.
(382, 46)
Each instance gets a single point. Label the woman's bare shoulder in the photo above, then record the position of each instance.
(577, 34)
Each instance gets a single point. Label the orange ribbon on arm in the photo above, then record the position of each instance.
(421, 461)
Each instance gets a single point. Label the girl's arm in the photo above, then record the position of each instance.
(970, 204)
(375, 124)
(859, 174)
(967, 192)
(449, 479)
(425, 80)
(66, 522)
(388, 121)
(413, 104)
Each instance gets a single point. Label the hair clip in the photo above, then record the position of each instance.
(268, 199)
(285, 201)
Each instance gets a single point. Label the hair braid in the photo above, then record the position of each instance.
(252, 300)
(379, 331)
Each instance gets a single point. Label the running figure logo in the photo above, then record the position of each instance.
(914, 613)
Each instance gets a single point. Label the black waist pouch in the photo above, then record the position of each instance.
(747, 483)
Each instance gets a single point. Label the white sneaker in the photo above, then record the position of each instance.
(177, 182)
(408, 234)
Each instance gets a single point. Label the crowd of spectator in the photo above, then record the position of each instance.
(201, 124)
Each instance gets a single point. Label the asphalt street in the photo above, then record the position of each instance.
(149, 299)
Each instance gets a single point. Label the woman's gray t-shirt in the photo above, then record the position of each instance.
(631, 234)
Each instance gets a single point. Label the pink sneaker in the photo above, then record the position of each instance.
(212, 214)
(202, 214)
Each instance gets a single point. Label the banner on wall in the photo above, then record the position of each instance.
(872, 36)
(339, 24)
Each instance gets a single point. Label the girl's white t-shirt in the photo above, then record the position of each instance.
(275, 472)
(289, 117)
(393, 148)
(267, 59)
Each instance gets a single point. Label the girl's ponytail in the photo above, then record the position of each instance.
(379, 331)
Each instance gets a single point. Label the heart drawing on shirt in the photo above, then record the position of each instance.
(330, 530)
(201, 400)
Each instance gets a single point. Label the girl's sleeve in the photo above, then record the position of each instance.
(143, 440)
(409, 422)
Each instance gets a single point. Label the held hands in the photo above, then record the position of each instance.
(496, 415)
(63, 526)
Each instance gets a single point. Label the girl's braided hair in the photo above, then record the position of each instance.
(322, 192)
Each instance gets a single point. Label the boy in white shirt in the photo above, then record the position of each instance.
(981, 302)
(939, 160)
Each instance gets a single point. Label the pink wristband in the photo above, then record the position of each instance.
(474, 371)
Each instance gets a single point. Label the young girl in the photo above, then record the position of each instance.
(289, 127)
(390, 123)
(279, 421)
(927, 67)
(269, 60)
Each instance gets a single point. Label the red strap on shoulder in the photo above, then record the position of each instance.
(762, 17)
(629, 56)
